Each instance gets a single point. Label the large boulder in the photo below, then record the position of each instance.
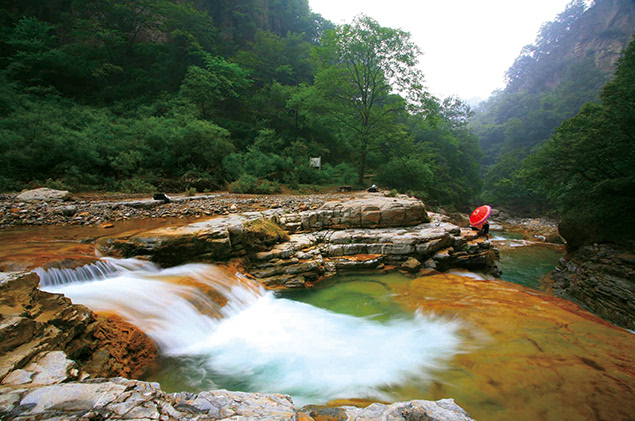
(370, 211)
(43, 194)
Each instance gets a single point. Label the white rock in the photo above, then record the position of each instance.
(72, 396)
(43, 194)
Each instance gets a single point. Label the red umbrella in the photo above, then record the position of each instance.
(480, 215)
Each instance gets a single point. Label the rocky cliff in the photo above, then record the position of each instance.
(601, 278)
(604, 33)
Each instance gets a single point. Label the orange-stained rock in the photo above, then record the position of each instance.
(35, 321)
(117, 348)
(529, 355)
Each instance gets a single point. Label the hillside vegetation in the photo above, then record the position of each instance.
(572, 58)
(140, 95)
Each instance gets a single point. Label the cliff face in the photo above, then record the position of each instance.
(605, 31)
(601, 278)
(577, 44)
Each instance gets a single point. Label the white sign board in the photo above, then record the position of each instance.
(315, 162)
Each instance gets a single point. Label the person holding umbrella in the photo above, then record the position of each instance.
(478, 219)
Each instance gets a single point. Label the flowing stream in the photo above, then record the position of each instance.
(217, 329)
(500, 349)
(525, 262)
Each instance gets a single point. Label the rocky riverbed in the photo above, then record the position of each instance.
(57, 209)
(285, 242)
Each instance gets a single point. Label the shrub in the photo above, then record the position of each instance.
(411, 174)
(135, 185)
(261, 232)
(190, 191)
(56, 184)
(268, 187)
(245, 184)
(342, 173)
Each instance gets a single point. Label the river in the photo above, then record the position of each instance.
(502, 350)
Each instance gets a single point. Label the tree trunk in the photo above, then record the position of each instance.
(362, 162)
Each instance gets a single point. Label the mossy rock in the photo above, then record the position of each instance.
(260, 233)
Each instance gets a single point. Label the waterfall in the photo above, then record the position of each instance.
(94, 271)
(226, 331)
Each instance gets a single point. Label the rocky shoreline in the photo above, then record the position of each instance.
(601, 279)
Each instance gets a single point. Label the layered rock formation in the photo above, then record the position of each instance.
(366, 231)
(34, 323)
(601, 278)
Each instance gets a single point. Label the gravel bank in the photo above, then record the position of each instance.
(85, 210)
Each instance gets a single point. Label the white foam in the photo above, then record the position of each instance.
(269, 344)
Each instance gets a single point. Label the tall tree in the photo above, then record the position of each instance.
(364, 66)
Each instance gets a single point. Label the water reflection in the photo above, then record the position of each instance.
(525, 262)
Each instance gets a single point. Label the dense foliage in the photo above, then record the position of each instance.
(140, 95)
(587, 168)
(548, 83)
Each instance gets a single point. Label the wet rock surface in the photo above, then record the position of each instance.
(601, 278)
(34, 325)
(121, 399)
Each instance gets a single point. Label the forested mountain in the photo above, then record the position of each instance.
(140, 95)
(587, 168)
(571, 59)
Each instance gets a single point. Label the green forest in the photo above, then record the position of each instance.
(141, 96)
(145, 95)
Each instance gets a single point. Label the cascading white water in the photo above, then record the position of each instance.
(264, 343)
(91, 272)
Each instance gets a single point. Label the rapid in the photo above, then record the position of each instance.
(225, 330)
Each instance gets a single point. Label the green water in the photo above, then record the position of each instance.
(360, 294)
(525, 264)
